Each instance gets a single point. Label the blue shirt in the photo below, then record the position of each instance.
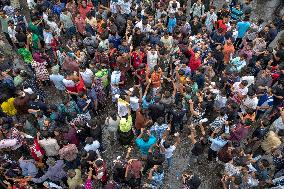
(145, 146)
(158, 130)
(217, 143)
(236, 14)
(242, 28)
(57, 9)
(81, 103)
(157, 179)
(265, 100)
(115, 40)
(172, 24)
(146, 104)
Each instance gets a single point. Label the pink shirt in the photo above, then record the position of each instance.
(80, 24)
(88, 184)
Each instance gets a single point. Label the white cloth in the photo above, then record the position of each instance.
(7, 143)
(92, 147)
(278, 124)
(112, 125)
(249, 103)
(87, 76)
(50, 146)
(231, 170)
(152, 59)
(122, 107)
(237, 89)
(68, 83)
(168, 151)
(134, 103)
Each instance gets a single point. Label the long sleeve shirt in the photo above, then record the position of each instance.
(28, 167)
(54, 173)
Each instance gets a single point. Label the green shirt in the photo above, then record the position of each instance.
(34, 29)
(25, 54)
(18, 80)
(35, 40)
(4, 24)
(125, 124)
(103, 74)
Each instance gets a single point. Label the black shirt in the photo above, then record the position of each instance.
(5, 65)
(194, 182)
(156, 110)
(197, 149)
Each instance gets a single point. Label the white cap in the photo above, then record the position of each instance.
(116, 96)
(28, 90)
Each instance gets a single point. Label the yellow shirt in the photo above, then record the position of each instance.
(75, 181)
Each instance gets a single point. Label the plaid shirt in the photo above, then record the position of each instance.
(158, 130)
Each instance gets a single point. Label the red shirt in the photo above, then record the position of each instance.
(83, 11)
(194, 63)
(36, 151)
(221, 24)
(80, 87)
(137, 59)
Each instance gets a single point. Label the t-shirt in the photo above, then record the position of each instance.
(144, 146)
(57, 80)
(237, 89)
(87, 76)
(66, 20)
(242, 28)
(168, 151)
(92, 147)
(145, 103)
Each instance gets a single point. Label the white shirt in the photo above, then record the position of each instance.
(68, 83)
(112, 124)
(134, 103)
(12, 33)
(231, 170)
(152, 59)
(278, 124)
(50, 146)
(54, 27)
(125, 6)
(172, 10)
(92, 147)
(113, 6)
(47, 37)
(142, 28)
(45, 17)
(169, 152)
(87, 76)
(237, 89)
(250, 103)
(7, 143)
(57, 81)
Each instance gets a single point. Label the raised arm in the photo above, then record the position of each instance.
(192, 109)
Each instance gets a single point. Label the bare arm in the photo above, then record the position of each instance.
(146, 90)
(191, 108)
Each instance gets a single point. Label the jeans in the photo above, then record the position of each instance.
(170, 161)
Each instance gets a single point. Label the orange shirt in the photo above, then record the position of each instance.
(156, 79)
(99, 26)
(227, 51)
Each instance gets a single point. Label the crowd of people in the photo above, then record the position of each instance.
(144, 77)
